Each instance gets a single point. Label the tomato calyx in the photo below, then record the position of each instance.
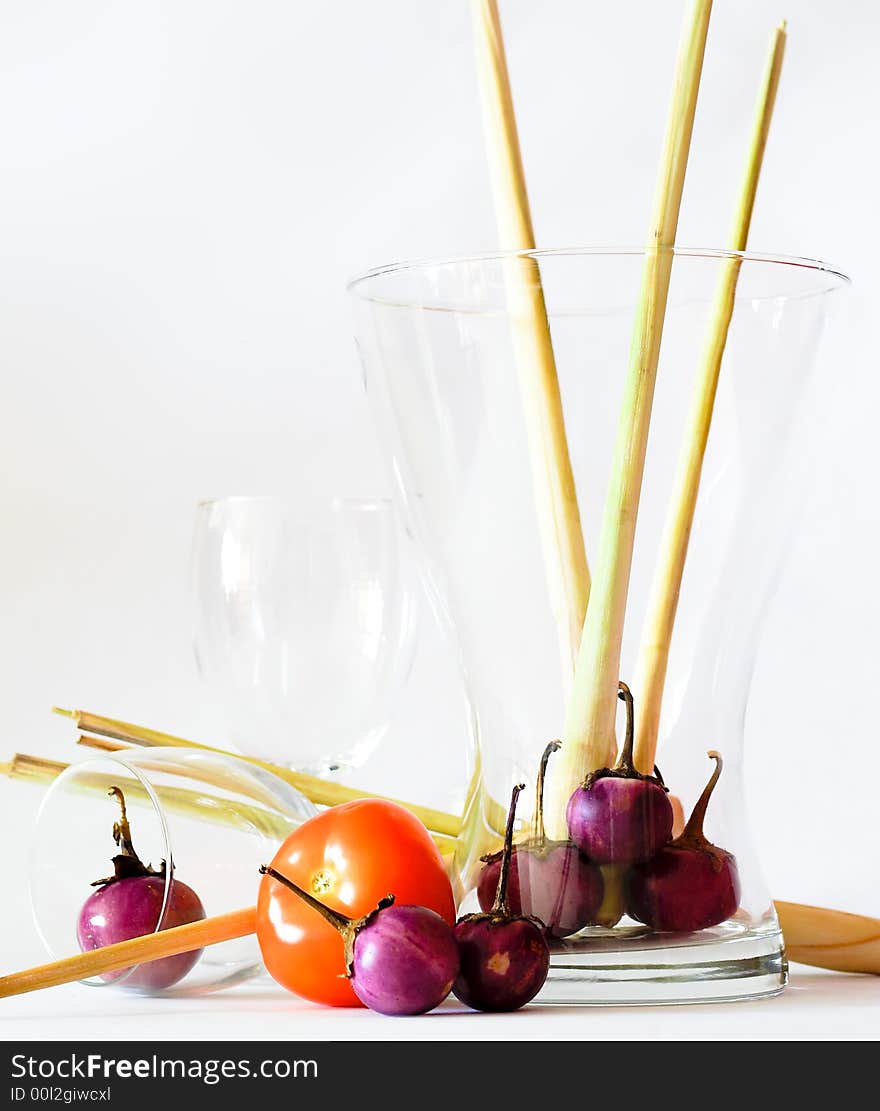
(348, 928)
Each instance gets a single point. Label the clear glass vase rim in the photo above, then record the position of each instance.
(355, 284)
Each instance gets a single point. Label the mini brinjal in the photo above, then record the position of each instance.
(504, 956)
(401, 960)
(549, 880)
(619, 816)
(690, 884)
(129, 904)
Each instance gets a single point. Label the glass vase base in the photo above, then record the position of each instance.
(718, 966)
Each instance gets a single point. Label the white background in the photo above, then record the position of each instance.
(186, 187)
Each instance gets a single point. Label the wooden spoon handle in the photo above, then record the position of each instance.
(830, 938)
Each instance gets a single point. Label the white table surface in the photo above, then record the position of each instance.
(816, 1005)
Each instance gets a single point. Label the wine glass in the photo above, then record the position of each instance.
(304, 624)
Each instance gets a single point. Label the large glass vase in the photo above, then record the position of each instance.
(441, 347)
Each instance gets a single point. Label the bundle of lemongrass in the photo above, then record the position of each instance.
(112, 735)
(597, 609)
(589, 616)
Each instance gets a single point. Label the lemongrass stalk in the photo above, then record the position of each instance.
(211, 772)
(559, 523)
(34, 768)
(216, 778)
(318, 790)
(613, 905)
(588, 734)
(178, 800)
(221, 779)
(660, 618)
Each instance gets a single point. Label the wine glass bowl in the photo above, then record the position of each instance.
(304, 624)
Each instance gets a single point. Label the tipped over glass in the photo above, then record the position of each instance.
(200, 823)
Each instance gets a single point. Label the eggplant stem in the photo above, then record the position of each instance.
(121, 829)
(540, 835)
(502, 904)
(126, 863)
(625, 760)
(692, 834)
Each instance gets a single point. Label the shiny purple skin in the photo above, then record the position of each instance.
(554, 884)
(404, 961)
(504, 962)
(130, 908)
(684, 889)
(618, 820)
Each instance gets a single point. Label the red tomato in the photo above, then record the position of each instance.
(348, 857)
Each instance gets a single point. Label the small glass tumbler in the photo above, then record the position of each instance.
(441, 344)
(304, 624)
(212, 819)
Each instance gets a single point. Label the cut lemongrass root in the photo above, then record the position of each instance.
(588, 734)
(660, 618)
(112, 958)
(559, 522)
(814, 935)
(319, 791)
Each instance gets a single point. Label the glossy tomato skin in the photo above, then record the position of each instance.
(348, 857)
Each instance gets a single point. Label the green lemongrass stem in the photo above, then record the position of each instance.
(613, 905)
(177, 800)
(318, 790)
(588, 734)
(210, 771)
(660, 617)
(446, 845)
(482, 823)
(559, 523)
